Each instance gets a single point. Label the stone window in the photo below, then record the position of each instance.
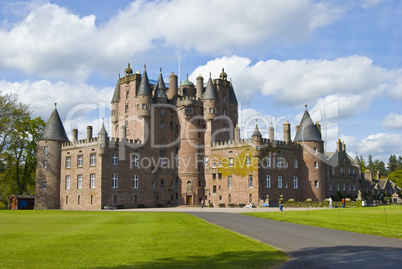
(315, 150)
(214, 165)
(162, 124)
(279, 182)
(354, 187)
(267, 162)
(342, 171)
(135, 182)
(349, 173)
(44, 185)
(93, 159)
(286, 185)
(337, 186)
(126, 109)
(115, 159)
(45, 164)
(333, 170)
(315, 183)
(153, 185)
(248, 160)
(211, 111)
(114, 181)
(250, 181)
(144, 107)
(127, 95)
(205, 161)
(79, 161)
(92, 176)
(214, 189)
(79, 182)
(230, 162)
(268, 181)
(162, 110)
(350, 186)
(330, 186)
(281, 162)
(315, 164)
(134, 160)
(219, 164)
(67, 182)
(68, 162)
(295, 183)
(46, 150)
(172, 185)
(295, 163)
(162, 183)
(229, 182)
(344, 187)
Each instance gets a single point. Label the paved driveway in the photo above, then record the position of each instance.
(307, 246)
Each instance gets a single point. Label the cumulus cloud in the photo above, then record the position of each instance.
(392, 121)
(380, 145)
(41, 95)
(350, 82)
(53, 42)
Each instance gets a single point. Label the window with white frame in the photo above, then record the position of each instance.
(68, 162)
(213, 164)
(267, 162)
(280, 162)
(229, 182)
(92, 177)
(286, 164)
(333, 170)
(315, 164)
(211, 111)
(295, 163)
(350, 186)
(344, 187)
(349, 173)
(79, 161)
(230, 162)
(115, 159)
(337, 186)
(134, 160)
(248, 160)
(114, 181)
(45, 164)
(295, 183)
(354, 187)
(79, 182)
(279, 181)
(250, 181)
(46, 150)
(315, 150)
(44, 185)
(205, 161)
(268, 181)
(68, 182)
(93, 159)
(162, 110)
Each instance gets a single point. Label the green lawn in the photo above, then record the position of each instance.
(381, 221)
(80, 239)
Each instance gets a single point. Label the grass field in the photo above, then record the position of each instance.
(77, 239)
(381, 221)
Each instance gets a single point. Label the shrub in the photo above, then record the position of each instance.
(221, 205)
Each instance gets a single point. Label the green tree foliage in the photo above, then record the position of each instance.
(362, 164)
(19, 134)
(392, 164)
(396, 177)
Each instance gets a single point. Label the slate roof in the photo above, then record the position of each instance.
(160, 85)
(102, 131)
(210, 92)
(256, 131)
(356, 161)
(54, 129)
(116, 94)
(307, 131)
(145, 88)
(232, 95)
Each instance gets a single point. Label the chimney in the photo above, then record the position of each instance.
(89, 133)
(343, 146)
(75, 135)
(237, 134)
(339, 145)
(200, 86)
(286, 132)
(271, 133)
(172, 86)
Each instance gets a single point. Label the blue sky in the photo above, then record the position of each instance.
(342, 58)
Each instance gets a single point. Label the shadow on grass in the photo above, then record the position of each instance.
(247, 259)
(345, 257)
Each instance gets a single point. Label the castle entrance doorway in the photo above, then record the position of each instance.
(189, 200)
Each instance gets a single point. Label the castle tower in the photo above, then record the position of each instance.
(271, 133)
(144, 95)
(103, 140)
(172, 92)
(357, 163)
(160, 90)
(47, 195)
(210, 99)
(309, 136)
(200, 87)
(257, 137)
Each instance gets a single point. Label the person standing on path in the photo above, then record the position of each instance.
(202, 204)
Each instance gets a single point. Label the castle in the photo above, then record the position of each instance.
(181, 145)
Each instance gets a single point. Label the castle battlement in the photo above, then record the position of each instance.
(80, 143)
(188, 101)
(114, 140)
(249, 141)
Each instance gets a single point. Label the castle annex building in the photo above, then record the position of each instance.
(179, 145)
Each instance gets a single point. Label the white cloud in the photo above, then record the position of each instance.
(392, 121)
(54, 43)
(352, 82)
(380, 146)
(41, 95)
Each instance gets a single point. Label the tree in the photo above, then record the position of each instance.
(399, 164)
(392, 163)
(11, 112)
(20, 155)
(370, 165)
(362, 164)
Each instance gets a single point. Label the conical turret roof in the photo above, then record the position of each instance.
(54, 129)
(145, 88)
(102, 131)
(161, 84)
(307, 131)
(116, 94)
(256, 131)
(356, 161)
(210, 92)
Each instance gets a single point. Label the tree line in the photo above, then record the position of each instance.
(19, 133)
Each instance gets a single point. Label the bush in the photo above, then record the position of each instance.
(231, 205)
(141, 206)
(221, 205)
(242, 205)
